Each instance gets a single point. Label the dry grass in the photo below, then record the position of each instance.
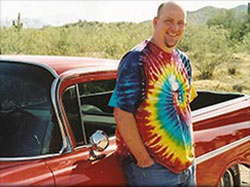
(233, 76)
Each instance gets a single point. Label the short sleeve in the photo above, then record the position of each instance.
(127, 94)
(187, 65)
(193, 93)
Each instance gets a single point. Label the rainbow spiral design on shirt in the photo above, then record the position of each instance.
(168, 112)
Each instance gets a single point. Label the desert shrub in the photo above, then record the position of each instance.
(246, 43)
(233, 65)
(237, 88)
(208, 48)
(232, 70)
(236, 22)
(103, 40)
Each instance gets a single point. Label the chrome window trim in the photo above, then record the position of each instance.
(80, 112)
(39, 64)
(54, 99)
(60, 108)
(76, 73)
(27, 158)
(75, 87)
(208, 112)
(221, 150)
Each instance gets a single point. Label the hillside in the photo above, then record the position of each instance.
(198, 17)
(201, 16)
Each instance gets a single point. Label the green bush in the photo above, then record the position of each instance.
(103, 40)
(207, 47)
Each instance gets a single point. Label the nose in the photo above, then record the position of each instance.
(174, 26)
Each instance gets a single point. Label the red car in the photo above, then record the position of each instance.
(56, 127)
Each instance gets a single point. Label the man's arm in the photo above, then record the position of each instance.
(126, 124)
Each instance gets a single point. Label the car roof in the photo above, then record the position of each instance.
(62, 64)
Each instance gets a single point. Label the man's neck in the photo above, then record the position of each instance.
(162, 47)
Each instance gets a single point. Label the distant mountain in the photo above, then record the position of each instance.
(242, 8)
(199, 16)
(202, 15)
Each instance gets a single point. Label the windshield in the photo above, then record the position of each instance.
(28, 125)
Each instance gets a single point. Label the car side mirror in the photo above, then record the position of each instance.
(99, 142)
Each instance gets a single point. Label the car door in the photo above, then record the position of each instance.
(84, 105)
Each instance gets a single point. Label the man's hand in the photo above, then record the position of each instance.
(145, 163)
(127, 127)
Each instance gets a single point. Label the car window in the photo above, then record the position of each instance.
(96, 114)
(71, 107)
(28, 126)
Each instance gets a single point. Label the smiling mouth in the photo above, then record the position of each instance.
(172, 35)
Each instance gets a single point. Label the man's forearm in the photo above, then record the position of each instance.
(126, 124)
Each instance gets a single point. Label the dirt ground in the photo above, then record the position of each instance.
(245, 176)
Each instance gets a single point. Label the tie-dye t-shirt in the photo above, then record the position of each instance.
(156, 87)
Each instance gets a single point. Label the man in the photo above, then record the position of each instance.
(151, 100)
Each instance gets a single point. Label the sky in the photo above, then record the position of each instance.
(58, 12)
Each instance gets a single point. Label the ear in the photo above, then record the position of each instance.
(155, 21)
(185, 25)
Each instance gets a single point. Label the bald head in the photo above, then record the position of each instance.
(170, 5)
(169, 26)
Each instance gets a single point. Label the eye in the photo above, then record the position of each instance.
(168, 21)
(181, 23)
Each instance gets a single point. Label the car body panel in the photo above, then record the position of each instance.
(61, 64)
(210, 171)
(76, 169)
(221, 130)
(24, 173)
(221, 142)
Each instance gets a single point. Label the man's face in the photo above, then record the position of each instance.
(169, 27)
